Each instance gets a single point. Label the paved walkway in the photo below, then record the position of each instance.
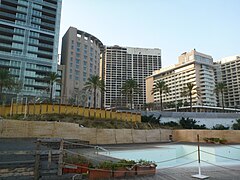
(214, 173)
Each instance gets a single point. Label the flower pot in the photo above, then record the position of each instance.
(95, 174)
(76, 168)
(120, 172)
(146, 170)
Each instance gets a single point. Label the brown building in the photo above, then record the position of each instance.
(81, 57)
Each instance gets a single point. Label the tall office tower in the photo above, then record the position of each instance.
(124, 63)
(228, 71)
(81, 57)
(193, 67)
(29, 35)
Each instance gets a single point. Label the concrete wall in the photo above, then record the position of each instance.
(209, 119)
(232, 136)
(41, 129)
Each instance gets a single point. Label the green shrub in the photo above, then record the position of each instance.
(236, 126)
(219, 127)
(188, 123)
(170, 124)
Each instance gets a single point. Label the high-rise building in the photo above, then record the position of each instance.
(81, 57)
(124, 63)
(228, 71)
(29, 35)
(193, 67)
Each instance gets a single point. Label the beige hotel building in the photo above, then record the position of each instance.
(193, 67)
(227, 70)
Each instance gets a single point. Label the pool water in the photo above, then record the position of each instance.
(183, 155)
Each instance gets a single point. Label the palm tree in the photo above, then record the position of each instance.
(221, 88)
(188, 91)
(6, 81)
(52, 77)
(128, 88)
(93, 84)
(161, 87)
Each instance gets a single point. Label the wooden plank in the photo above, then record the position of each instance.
(60, 162)
(37, 161)
(17, 162)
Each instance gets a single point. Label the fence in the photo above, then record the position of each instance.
(36, 109)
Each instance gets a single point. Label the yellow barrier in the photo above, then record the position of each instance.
(98, 113)
(67, 109)
(103, 114)
(119, 115)
(86, 112)
(92, 112)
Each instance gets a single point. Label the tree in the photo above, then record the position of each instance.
(221, 88)
(188, 91)
(128, 88)
(52, 77)
(93, 84)
(6, 81)
(161, 87)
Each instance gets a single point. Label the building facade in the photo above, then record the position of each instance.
(29, 35)
(193, 67)
(81, 57)
(227, 70)
(124, 63)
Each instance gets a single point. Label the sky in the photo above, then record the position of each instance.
(175, 26)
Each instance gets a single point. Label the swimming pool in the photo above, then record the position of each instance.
(183, 155)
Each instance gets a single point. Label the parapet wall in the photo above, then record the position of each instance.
(41, 129)
(232, 136)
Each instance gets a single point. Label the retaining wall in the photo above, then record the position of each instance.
(232, 136)
(41, 129)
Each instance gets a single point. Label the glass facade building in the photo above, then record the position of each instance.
(29, 35)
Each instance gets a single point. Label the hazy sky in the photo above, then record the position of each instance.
(175, 26)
